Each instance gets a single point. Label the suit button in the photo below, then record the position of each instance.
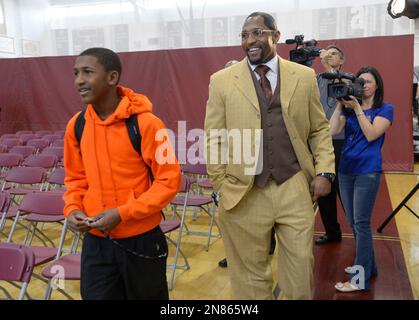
(271, 167)
(269, 124)
(269, 111)
(271, 153)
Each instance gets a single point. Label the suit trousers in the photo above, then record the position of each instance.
(246, 231)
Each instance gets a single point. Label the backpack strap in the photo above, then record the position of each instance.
(135, 137)
(79, 125)
(134, 132)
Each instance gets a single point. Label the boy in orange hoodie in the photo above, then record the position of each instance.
(110, 194)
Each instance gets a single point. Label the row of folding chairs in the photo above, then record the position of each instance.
(177, 222)
(38, 133)
(49, 159)
(39, 207)
(39, 144)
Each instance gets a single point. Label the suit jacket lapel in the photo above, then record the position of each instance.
(244, 82)
(288, 80)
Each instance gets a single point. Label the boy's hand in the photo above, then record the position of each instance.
(106, 221)
(78, 221)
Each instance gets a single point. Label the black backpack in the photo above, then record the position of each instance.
(131, 123)
(133, 132)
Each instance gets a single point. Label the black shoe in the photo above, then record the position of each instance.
(326, 239)
(223, 263)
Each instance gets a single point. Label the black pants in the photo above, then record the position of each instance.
(110, 272)
(327, 204)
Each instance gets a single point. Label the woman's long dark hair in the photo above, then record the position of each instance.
(379, 93)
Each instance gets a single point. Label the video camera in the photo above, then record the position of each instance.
(304, 52)
(341, 90)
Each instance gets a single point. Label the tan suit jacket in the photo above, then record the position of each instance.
(233, 105)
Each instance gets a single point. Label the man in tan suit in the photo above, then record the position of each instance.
(271, 106)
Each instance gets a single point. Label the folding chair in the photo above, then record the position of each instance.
(60, 133)
(9, 160)
(24, 138)
(11, 142)
(57, 151)
(3, 148)
(199, 201)
(5, 200)
(55, 179)
(51, 137)
(8, 136)
(70, 264)
(39, 144)
(18, 177)
(167, 226)
(44, 207)
(58, 143)
(25, 151)
(16, 264)
(41, 133)
(46, 161)
(21, 132)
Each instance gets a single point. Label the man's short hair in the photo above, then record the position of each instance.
(341, 53)
(268, 20)
(106, 57)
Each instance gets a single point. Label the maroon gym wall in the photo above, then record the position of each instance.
(38, 93)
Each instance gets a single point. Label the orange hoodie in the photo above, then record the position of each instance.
(106, 172)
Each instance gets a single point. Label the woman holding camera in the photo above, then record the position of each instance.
(365, 122)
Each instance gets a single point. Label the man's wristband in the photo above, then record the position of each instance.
(360, 114)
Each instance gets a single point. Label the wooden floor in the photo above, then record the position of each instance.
(205, 280)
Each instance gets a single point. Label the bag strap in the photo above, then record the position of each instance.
(79, 125)
(134, 132)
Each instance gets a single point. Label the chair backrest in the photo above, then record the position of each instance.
(200, 169)
(26, 175)
(51, 137)
(5, 199)
(58, 151)
(39, 144)
(186, 184)
(25, 151)
(3, 148)
(8, 136)
(60, 133)
(16, 263)
(21, 132)
(57, 176)
(10, 160)
(58, 143)
(44, 203)
(41, 133)
(41, 160)
(11, 142)
(24, 138)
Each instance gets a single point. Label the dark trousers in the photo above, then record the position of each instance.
(327, 204)
(110, 272)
